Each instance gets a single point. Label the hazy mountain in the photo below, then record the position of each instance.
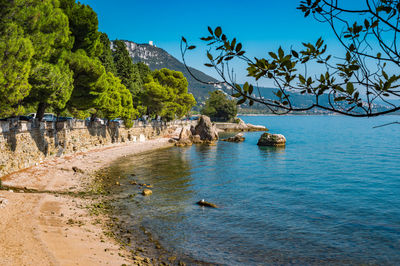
(157, 58)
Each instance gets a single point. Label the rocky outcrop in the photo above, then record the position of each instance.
(237, 138)
(239, 126)
(185, 138)
(268, 139)
(251, 127)
(185, 133)
(205, 129)
(203, 133)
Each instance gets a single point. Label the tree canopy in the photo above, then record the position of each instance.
(53, 58)
(366, 74)
(219, 107)
(166, 94)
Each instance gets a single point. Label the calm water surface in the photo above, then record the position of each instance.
(332, 196)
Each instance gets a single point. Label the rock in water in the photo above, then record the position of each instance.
(185, 134)
(205, 129)
(268, 139)
(185, 138)
(147, 192)
(237, 138)
(204, 203)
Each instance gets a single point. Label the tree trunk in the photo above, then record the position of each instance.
(40, 111)
(93, 117)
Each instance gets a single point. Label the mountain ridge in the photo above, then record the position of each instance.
(157, 58)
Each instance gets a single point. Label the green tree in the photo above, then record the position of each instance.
(83, 24)
(144, 72)
(126, 70)
(219, 108)
(16, 53)
(166, 94)
(53, 84)
(114, 99)
(46, 26)
(106, 56)
(352, 82)
(86, 73)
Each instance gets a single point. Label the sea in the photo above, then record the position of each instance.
(331, 196)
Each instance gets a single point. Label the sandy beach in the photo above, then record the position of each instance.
(52, 228)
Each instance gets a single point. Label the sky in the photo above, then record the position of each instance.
(261, 25)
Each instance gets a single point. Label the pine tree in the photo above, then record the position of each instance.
(16, 53)
(106, 57)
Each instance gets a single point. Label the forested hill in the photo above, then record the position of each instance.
(157, 58)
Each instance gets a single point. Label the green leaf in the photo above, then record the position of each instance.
(183, 39)
(366, 24)
(350, 88)
(246, 87)
(191, 47)
(241, 101)
(209, 56)
(238, 47)
(210, 30)
(236, 95)
(273, 55)
(208, 65)
(339, 99)
(280, 52)
(218, 31)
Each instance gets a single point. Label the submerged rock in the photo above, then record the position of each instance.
(204, 203)
(268, 139)
(147, 192)
(237, 138)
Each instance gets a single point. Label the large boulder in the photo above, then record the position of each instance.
(237, 138)
(185, 138)
(185, 133)
(205, 129)
(268, 139)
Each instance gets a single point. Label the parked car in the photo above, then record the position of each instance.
(63, 119)
(118, 120)
(47, 117)
(19, 117)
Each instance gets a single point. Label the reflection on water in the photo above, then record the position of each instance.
(327, 198)
(271, 151)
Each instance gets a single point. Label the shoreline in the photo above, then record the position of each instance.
(46, 221)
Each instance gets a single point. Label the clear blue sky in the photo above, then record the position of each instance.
(261, 25)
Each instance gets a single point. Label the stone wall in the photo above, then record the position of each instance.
(23, 144)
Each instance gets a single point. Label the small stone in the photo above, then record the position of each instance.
(147, 192)
(172, 258)
(77, 170)
(204, 203)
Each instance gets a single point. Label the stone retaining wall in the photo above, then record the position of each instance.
(23, 144)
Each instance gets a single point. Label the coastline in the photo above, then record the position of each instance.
(47, 221)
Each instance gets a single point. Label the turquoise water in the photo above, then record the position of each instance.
(332, 196)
